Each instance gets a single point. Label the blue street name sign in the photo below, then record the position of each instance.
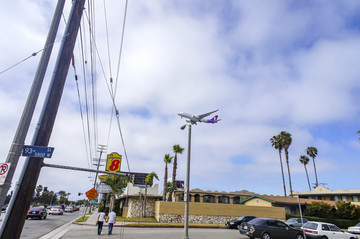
(37, 151)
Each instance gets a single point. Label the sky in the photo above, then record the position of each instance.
(268, 66)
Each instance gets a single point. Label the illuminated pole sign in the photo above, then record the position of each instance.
(113, 162)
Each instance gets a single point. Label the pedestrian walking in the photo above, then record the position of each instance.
(111, 220)
(100, 221)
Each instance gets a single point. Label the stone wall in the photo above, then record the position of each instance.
(211, 213)
(135, 205)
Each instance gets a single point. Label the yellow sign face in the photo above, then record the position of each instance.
(113, 162)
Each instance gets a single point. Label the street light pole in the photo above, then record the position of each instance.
(187, 188)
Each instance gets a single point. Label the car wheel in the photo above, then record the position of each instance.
(299, 236)
(324, 237)
(266, 236)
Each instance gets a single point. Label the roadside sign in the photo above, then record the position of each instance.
(103, 188)
(94, 200)
(4, 169)
(113, 162)
(37, 151)
(91, 194)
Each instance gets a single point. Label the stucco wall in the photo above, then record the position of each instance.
(258, 202)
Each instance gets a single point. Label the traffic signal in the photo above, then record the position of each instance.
(79, 194)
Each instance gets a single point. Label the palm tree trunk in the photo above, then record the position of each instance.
(282, 173)
(144, 209)
(287, 162)
(307, 175)
(317, 183)
(165, 183)
(173, 177)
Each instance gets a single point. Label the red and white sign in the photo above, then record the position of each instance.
(4, 169)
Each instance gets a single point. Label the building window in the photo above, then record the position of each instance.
(236, 200)
(319, 198)
(355, 198)
(336, 198)
(223, 199)
(197, 198)
(209, 199)
(332, 198)
(344, 198)
(181, 197)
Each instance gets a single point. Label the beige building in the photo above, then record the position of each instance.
(322, 193)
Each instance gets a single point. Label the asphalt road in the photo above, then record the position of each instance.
(86, 231)
(35, 228)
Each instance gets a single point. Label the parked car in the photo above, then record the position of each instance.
(296, 222)
(4, 208)
(235, 223)
(267, 228)
(56, 210)
(355, 229)
(77, 208)
(69, 209)
(37, 212)
(325, 230)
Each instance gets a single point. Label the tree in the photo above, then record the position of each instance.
(117, 184)
(312, 152)
(167, 160)
(285, 141)
(177, 150)
(148, 180)
(305, 160)
(275, 142)
(38, 190)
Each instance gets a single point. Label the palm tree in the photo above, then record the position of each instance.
(177, 149)
(117, 184)
(148, 180)
(358, 133)
(312, 152)
(305, 160)
(167, 160)
(285, 139)
(275, 142)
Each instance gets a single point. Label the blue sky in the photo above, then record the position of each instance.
(268, 66)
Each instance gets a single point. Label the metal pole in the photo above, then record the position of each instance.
(186, 227)
(25, 120)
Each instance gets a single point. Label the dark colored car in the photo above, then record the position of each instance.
(235, 223)
(267, 228)
(296, 222)
(38, 212)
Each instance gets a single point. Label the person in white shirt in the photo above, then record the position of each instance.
(100, 221)
(111, 220)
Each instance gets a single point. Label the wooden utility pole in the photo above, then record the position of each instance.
(25, 120)
(23, 193)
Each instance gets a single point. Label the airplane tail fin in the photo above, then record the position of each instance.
(213, 119)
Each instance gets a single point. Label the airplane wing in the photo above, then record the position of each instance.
(207, 114)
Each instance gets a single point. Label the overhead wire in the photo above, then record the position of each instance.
(32, 55)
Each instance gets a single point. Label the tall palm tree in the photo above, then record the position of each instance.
(177, 150)
(305, 160)
(312, 152)
(285, 139)
(275, 142)
(148, 180)
(167, 160)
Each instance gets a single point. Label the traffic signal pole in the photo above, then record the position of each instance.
(15, 218)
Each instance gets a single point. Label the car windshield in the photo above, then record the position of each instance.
(57, 207)
(357, 225)
(36, 208)
(291, 220)
(239, 218)
(311, 225)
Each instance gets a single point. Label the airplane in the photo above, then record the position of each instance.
(193, 119)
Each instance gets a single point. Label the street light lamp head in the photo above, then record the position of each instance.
(183, 127)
